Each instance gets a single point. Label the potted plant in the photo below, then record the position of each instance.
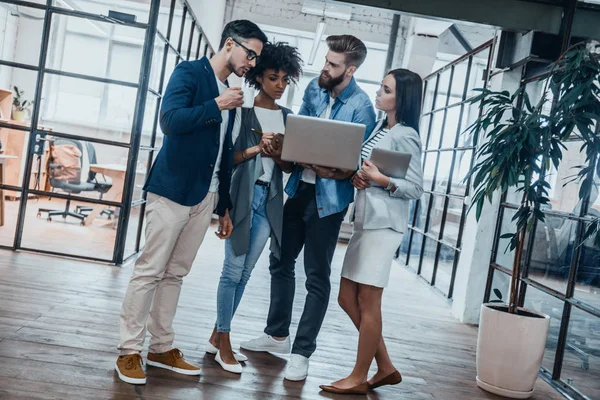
(521, 143)
(20, 105)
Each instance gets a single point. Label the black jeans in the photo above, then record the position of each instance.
(302, 227)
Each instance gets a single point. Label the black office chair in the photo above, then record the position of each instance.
(70, 183)
(101, 186)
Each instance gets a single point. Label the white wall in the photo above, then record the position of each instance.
(210, 14)
(20, 41)
(27, 51)
(8, 34)
(368, 24)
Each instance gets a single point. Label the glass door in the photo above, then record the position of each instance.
(71, 120)
(80, 91)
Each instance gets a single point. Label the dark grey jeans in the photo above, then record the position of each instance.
(302, 227)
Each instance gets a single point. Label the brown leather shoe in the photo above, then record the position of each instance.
(363, 388)
(173, 361)
(130, 369)
(392, 379)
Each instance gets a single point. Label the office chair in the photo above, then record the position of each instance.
(101, 186)
(70, 183)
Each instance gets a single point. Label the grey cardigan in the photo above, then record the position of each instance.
(384, 209)
(243, 180)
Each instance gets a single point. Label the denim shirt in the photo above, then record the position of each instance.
(352, 105)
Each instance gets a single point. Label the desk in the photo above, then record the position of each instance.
(2, 180)
(15, 143)
(117, 173)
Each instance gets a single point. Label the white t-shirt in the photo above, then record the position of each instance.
(308, 175)
(214, 183)
(270, 121)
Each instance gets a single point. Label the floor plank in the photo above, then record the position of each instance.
(59, 332)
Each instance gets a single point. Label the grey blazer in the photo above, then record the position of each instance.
(385, 209)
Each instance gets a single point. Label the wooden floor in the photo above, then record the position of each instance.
(65, 235)
(59, 332)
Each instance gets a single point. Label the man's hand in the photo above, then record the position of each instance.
(225, 226)
(325, 172)
(231, 98)
(306, 166)
(331, 173)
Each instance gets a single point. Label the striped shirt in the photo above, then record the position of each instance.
(372, 143)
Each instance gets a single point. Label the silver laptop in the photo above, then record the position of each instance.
(324, 142)
(391, 163)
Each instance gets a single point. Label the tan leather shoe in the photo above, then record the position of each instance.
(130, 369)
(173, 360)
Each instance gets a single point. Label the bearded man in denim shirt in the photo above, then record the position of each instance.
(318, 201)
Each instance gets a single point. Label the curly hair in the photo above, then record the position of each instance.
(280, 57)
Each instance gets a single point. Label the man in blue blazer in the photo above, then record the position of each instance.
(188, 182)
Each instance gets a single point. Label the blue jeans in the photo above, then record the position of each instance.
(237, 269)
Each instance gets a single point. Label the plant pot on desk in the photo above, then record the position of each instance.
(510, 348)
(19, 115)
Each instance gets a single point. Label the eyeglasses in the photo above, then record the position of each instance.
(251, 54)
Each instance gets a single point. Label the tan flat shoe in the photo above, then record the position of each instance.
(363, 388)
(392, 379)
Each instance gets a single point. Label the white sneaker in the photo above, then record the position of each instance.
(210, 349)
(267, 343)
(297, 369)
(233, 368)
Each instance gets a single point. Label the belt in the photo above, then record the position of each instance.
(263, 183)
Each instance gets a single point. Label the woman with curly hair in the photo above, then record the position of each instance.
(256, 189)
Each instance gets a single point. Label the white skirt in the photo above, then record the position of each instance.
(370, 252)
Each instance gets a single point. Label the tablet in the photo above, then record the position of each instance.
(391, 163)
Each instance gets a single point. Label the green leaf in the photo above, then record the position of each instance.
(479, 208)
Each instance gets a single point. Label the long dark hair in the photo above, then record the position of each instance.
(409, 95)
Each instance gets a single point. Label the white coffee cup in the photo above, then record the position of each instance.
(249, 94)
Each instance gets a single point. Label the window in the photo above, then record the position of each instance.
(565, 287)
(368, 76)
(95, 49)
(434, 237)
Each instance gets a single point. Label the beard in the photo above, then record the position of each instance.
(328, 82)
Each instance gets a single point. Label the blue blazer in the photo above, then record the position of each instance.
(191, 122)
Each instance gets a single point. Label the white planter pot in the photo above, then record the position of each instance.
(19, 115)
(510, 348)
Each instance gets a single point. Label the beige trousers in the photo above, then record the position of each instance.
(173, 236)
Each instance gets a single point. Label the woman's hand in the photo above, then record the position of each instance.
(371, 173)
(274, 147)
(265, 143)
(360, 182)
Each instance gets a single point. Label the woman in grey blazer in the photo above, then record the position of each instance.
(380, 220)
